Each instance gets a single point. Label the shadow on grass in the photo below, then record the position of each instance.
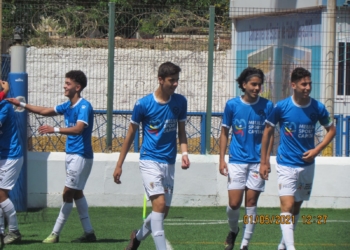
(111, 241)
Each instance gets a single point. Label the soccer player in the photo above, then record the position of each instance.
(297, 116)
(78, 116)
(246, 115)
(160, 114)
(4, 89)
(11, 160)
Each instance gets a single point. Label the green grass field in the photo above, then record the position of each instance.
(185, 228)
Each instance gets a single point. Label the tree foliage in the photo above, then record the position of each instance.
(74, 18)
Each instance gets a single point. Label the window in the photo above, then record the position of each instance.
(343, 69)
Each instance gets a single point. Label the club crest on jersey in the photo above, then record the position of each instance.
(313, 117)
(154, 126)
(262, 113)
(238, 127)
(289, 128)
(176, 110)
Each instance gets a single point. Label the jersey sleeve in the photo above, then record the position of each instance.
(227, 117)
(183, 111)
(323, 116)
(137, 113)
(2, 95)
(274, 116)
(60, 109)
(84, 113)
(3, 114)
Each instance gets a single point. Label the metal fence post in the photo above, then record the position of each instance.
(339, 135)
(203, 134)
(210, 78)
(347, 136)
(110, 87)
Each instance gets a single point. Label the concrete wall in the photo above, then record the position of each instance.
(201, 185)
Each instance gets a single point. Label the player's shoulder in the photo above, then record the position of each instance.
(317, 104)
(145, 99)
(234, 101)
(285, 102)
(265, 101)
(4, 104)
(179, 97)
(85, 103)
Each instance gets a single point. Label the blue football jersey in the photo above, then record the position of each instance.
(82, 111)
(10, 147)
(248, 122)
(159, 126)
(297, 129)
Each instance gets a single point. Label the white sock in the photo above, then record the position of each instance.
(10, 214)
(82, 208)
(145, 229)
(233, 216)
(248, 229)
(282, 245)
(2, 222)
(62, 217)
(287, 232)
(158, 234)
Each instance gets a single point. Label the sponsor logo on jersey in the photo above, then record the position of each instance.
(238, 127)
(154, 126)
(289, 128)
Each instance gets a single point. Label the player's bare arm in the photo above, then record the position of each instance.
(124, 151)
(269, 150)
(185, 162)
(76, 130)
(266, 151)
(5, 87)
(310, 155)
(44, 111)
(223, 145)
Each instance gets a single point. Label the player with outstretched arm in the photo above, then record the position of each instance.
(78, 116)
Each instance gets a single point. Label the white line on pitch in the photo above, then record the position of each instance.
(181, 222)
(168, 245)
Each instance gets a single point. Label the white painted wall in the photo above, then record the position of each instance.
(201, 185)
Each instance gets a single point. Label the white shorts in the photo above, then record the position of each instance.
(9, 172)
(77, 171)
(158, 178)
(295, 181)
(247, 175)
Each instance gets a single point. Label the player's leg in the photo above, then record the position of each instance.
(80, 200)
(237, 177)
(255, 185)
(9, 173)
(287, 183)
(153, 174)
(303, 192)
(145, 230)
(63, 215)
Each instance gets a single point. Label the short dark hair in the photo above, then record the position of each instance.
(78, 76)
(299, 73)
(168, 69)
(247, 74)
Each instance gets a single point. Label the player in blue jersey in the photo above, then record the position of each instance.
(11, 160)
(246, 115)
(160, 113)
(297, 117)
(78, 116)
